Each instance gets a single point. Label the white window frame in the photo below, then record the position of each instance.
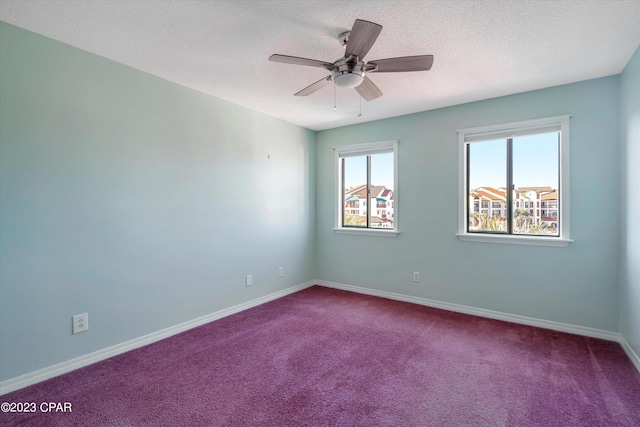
(527, 127)
(363, 150)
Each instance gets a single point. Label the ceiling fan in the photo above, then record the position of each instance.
(350, 71)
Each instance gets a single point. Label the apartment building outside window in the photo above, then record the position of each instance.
(514, 182)
(366, 187)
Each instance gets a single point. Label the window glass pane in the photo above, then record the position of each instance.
(487, 186)
(382, 202)
(536, 182)
(354, 202)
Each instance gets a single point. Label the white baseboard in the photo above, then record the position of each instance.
(635, 359)
(513, 318)
(26, 380)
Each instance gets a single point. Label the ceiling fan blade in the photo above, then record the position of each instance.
(404, 63)
(368, 90)
(363, 36)
(296, 60)
(314, 87)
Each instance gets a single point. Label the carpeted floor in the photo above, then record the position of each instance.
(323, 357)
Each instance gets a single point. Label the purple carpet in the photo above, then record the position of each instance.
(323, 357)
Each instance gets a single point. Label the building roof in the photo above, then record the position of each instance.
(376, 191)
(490, 193)
(534, 189)
(493, 194)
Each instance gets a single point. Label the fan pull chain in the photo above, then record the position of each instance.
(360, 113)
(334, 96)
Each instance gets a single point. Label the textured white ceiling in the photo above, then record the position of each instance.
(483, 49)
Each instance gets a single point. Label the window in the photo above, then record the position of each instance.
(521, 170)
(367, 172)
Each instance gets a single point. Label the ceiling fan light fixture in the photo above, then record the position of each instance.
(348, 79)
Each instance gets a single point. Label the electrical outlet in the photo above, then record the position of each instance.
(80, 323)
(248, 280)
(416, 276)
(280, 271)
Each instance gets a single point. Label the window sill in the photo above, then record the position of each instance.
(366, 232)
(515, 240)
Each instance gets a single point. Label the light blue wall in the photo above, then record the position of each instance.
(630, 162)
(576, 285)
(139, 201)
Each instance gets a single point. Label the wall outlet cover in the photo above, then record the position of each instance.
(80, 323)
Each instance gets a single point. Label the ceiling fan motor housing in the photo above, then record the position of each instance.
(348, 72)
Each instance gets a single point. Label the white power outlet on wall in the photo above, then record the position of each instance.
(416, 276)
(80, 323)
